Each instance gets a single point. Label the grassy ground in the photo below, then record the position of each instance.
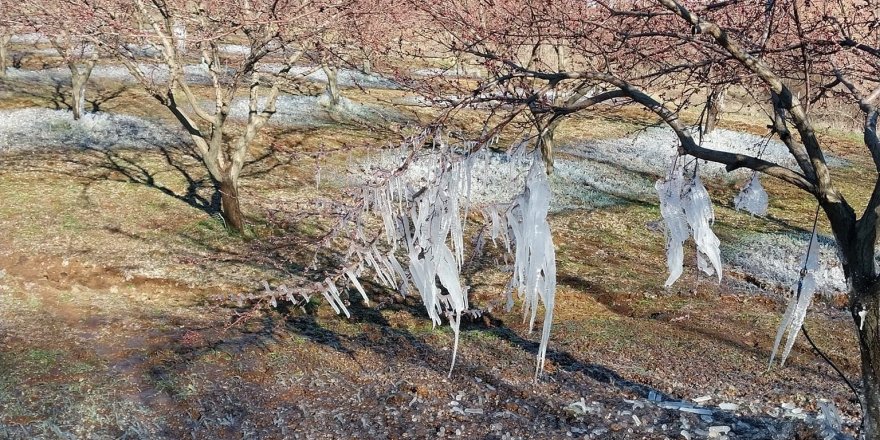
(109, 325)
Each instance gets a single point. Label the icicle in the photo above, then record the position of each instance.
(358, 286)
(402, 285)
(534, 274)
(669, 192)
(752, 198)
(796, 311)
(808, 288)
(332, 297)
(862, 315)
(698, 210)
(455, 323)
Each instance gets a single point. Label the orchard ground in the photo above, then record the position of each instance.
(113, 322)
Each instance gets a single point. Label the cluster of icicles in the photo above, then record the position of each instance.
(687, 211)
(427, 223)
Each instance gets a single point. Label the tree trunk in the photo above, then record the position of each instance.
(4, 56)
(229, 204)
(368, 65)
(78, 81)
(714, 108)
(548, 144)
(332, 84)
(869, 347)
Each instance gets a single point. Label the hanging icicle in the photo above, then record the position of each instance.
(796, 311)
(698, 210)
(752, 198)
(669, 191)
(687, 210)
(534, 274)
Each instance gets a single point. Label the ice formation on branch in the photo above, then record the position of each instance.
(422, 218)
(700, 216)
(752, 198)
(800, 300)
(534, 273)
(687, 210)
(669, 191)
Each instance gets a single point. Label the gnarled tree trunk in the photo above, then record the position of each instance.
(714, 108)
(869, 347)
(230, 207)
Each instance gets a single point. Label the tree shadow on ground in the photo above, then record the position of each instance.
(56, 93)
(157, 169)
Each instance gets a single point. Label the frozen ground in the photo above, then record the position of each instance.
(345, 77)
(29, 129)
(776, 260)
(35, 128)
(196, 74)
(299, 111)
(650, 151)
(497, 178)
(30, 38)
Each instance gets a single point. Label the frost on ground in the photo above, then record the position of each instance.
(315, 111)
(195, 74)
(640, 153)
(498, 179)
(345, 77)
(198, 74)
(29, 38)
(777, 259)
(33, 128)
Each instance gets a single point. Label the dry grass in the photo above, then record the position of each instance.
(108, 329)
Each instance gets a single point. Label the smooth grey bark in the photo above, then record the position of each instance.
(4, 53)
(332, 73)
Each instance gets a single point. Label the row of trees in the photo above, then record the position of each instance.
(538, 62)
(162, 42)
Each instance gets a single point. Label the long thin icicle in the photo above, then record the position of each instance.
(669, 191)
(796, 311)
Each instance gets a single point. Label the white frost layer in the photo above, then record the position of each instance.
(314, 111)
(30, 38)
(345, 77)
(498, 178)
(198, 74)
(194, 74)
(234, 49)
(641, 152)
(29, 129)
(776, 259)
